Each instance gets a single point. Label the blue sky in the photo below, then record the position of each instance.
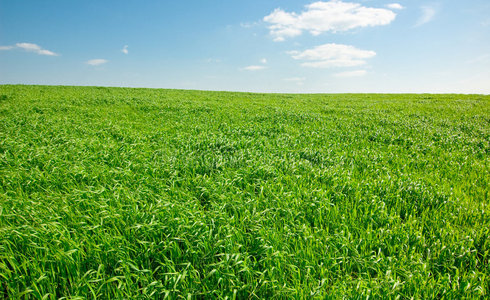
(254, 45)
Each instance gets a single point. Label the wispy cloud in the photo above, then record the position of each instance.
(263, 61)
(396, 6)
(125, 49)
(96, 62)
(249, 24)
(254, 68)
(331, 16)
(428, 12)
(29, 47)
(332, 55)
(356, 73)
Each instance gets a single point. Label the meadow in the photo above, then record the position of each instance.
(152, 193)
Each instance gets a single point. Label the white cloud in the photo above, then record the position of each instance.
(29, 47)
(96, 62)
(254, 68)
(263, 61)
(357, 73)
(35, 48)
(331, 16)
(428, 14)
(395, 6)
(332, 55)
(125, 49)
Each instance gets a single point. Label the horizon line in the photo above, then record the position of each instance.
(247, 92)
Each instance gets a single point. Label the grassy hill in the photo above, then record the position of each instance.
(147, 193)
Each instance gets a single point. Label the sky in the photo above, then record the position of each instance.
(348, 46)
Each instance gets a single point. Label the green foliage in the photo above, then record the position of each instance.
(146, 193)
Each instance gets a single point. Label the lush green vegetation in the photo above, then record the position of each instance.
(134, 193)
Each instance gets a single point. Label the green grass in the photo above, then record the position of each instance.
(146, 193)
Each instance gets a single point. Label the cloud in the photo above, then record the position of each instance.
(263, 61)
(254, 68)
(428, 14)
(249, 24)
(29, 47)
(332, 55)
(357, 73)
(125, 49)
(96, 62)
(35, 48)
(397, 6)
(332, 16)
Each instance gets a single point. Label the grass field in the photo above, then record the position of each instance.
(147, 193)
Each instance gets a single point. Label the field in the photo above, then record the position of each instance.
(148, 193)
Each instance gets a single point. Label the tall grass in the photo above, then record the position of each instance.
(144, 193)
